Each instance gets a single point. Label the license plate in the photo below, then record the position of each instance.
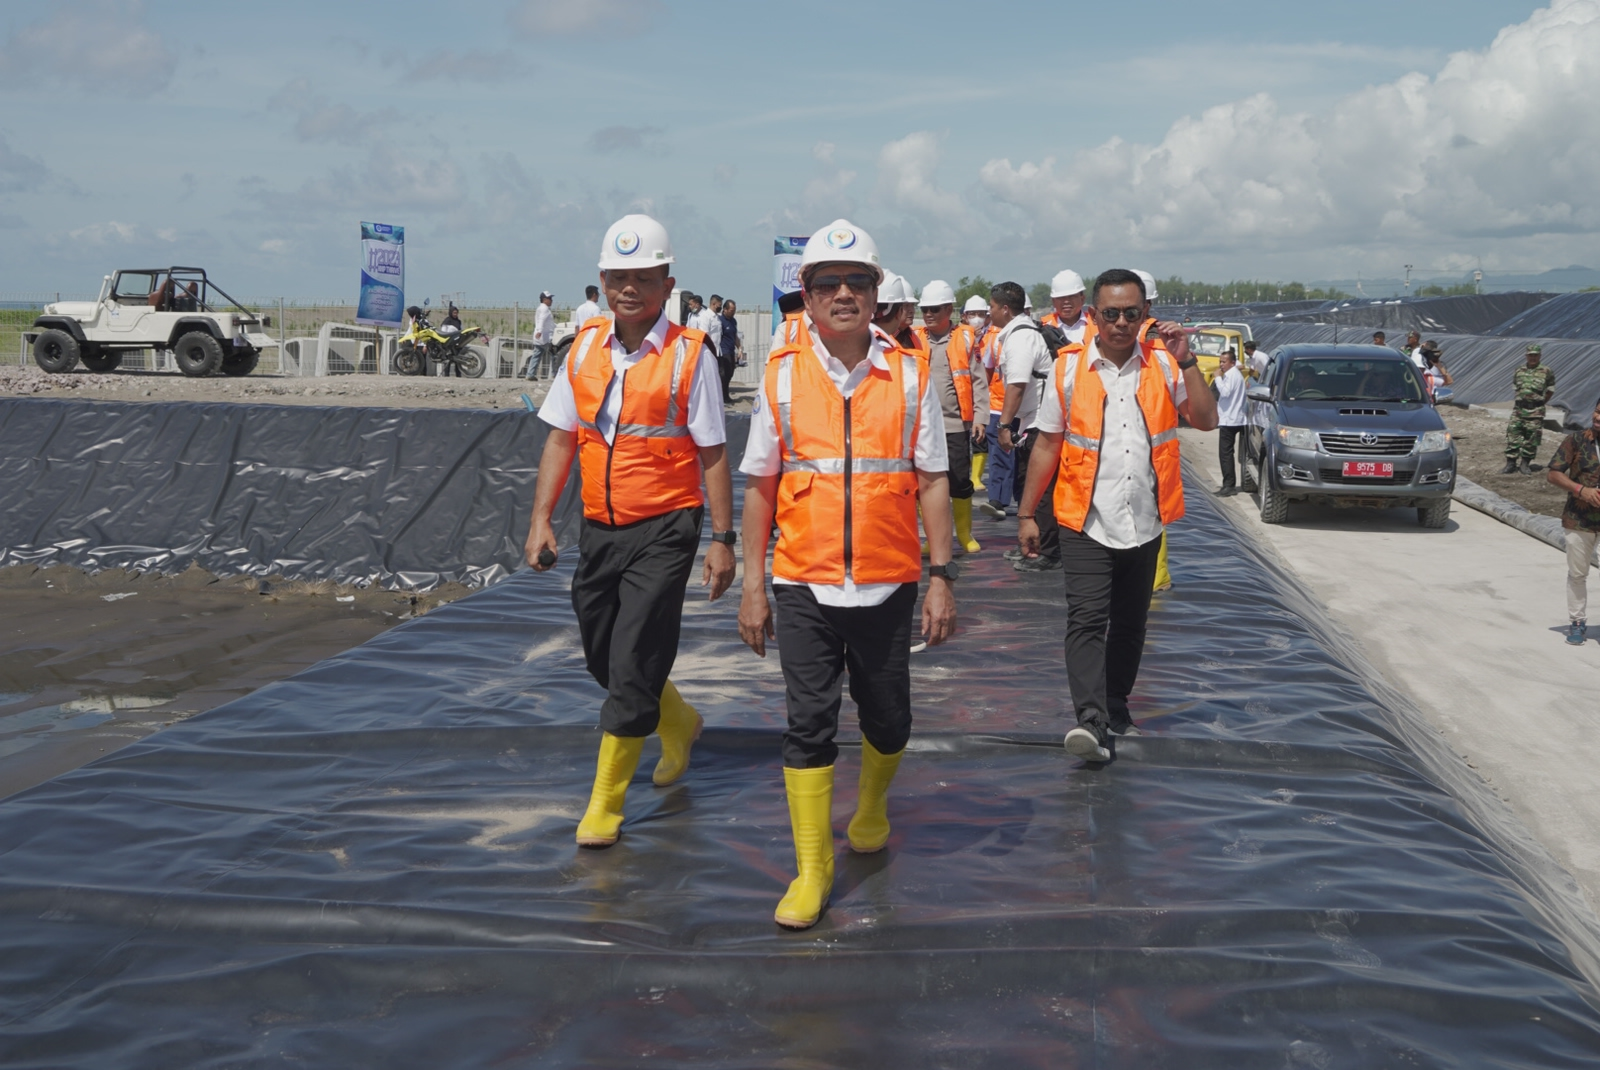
(1369, 469)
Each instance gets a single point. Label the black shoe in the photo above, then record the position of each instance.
(1013, 554)
(1511, 466)
(1082, 742)
(1228, 491)
(1037, 564)
(1526, 469)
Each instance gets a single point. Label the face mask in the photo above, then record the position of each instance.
(975, 320)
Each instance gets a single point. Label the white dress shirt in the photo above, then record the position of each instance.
(763, 457)
(544, 325)
(711, 323)
(584, 313)
(1123, 512)
(1022, 353)
(706, 427)
(1230, 399)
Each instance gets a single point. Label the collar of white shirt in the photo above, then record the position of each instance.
(836, 370)
(1098, 362)
(655, 340)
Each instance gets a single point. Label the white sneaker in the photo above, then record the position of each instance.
(993, 512)
(1081, 743)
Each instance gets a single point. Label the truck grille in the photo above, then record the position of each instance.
(1351, 445)
(1336, 475)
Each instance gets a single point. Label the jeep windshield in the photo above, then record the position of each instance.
(1351, 379)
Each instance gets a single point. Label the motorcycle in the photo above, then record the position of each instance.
(424, 351)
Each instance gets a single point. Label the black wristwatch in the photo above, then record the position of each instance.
(1185, 365)
(950, 572)
(726, 538)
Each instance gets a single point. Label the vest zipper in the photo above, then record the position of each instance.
(849, 554)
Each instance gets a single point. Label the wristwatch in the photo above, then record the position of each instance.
(727, 538)
(1185, 365)
(950, 572)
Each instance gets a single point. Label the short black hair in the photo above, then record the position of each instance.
(591, 292)
(1251, 344)
(1118, 277)
(716, 297)
(1009, 294)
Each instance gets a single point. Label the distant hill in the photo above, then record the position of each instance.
(1556, 280)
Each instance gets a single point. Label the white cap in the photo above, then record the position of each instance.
(1066, 284)
(635, 241)
(1149, 284)
(936, 293)
(842, 242)
(975, 304)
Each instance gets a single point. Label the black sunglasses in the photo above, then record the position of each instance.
(1132, 315)
(859, 281)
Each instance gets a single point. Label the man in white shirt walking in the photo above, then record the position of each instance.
(1108, 434)
(1229, 384)
(1025, 363)
(544, 335)
(590, 309)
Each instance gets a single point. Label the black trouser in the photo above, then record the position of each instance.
(959, 445)
(725, 366)
(818, 643)
(1225, 440)
(1045, 514)
(628, 594)
(1108, 600)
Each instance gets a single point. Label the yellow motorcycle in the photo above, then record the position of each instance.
(424, 351)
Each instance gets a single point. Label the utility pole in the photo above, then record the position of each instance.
(1477, 278)
(1408, 280)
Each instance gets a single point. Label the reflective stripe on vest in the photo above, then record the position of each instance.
(1084, 417)
(651, 465)
(847, 493)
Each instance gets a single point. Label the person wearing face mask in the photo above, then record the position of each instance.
(975, 315)
(1108, 436)
(846, 439)
(954, 362)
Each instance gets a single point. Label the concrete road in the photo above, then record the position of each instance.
(1469, 623)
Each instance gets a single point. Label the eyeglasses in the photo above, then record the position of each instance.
(859, 282)
(1132, 315)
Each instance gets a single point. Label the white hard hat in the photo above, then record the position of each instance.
(975, 304)
(1066, 284)
(635, 241)
(936, 293)
(842, 242)
(1027, 302)
(895, 290)
(1149, 284)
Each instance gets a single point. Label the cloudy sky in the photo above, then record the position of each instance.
(1218, 140)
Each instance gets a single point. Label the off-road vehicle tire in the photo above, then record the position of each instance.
(563, 347)
(1435, 515)
(198, 354)
(241, 362)
(1247, 474)
(1274, 506)
(407, 361)
(101, 360)
(56, 351)
(472, 363)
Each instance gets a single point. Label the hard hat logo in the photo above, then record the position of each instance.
(841, 238)
(627, 243)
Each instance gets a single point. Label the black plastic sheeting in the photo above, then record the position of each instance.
(397, 497)
(372, 864)
(1568, 316)
(1481, 365)
(1463, 314)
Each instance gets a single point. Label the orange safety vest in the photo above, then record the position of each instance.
(1085, 407)
(652, 465)
(847, 498)
(794, 328)
(958, 354)
(991, 366)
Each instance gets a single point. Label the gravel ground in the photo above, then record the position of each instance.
(1481, 453)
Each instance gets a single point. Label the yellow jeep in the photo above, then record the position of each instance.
(1211, 340)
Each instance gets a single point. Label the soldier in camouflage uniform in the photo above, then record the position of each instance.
(1534, 385)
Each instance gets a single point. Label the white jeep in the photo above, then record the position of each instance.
(176, 309)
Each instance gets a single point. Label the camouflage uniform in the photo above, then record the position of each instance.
(1526, 428)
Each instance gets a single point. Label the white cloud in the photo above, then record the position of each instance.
(1500, 148)
(93, 47)
(110, 233)
(318, 119)
(543, 18)
(387, 180)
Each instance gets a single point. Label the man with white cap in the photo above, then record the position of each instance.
(955, 363)
(639, 402)
(544, 335)
(845, 441)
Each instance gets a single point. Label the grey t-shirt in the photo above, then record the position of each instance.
(944, 383)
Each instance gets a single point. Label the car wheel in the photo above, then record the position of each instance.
(241, 362)
(56, 351)
(472, 363)
(101, 360)
(198, 354)
(1435, 514)
(563, 348)
(1274, 506)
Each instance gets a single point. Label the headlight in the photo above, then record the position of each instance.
(1300, 438)
(1433, 441)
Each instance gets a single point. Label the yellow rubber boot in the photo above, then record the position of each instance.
(680, 726)
(979, 462)
(602, 822)
(869, 829)
(1163, 577)
(811, 815)
(962, 507)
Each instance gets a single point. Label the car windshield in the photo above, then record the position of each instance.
(1203, 344)
(1346, 379)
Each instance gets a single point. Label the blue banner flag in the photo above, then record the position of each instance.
(786, 253)
(383, 275)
